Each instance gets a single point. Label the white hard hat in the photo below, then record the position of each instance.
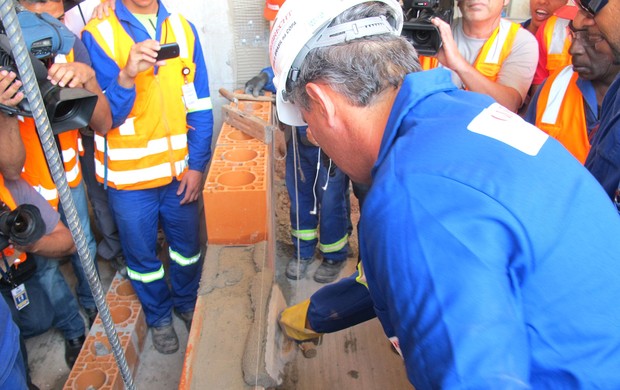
(302, 25)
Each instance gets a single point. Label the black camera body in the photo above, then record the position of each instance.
(23, 226)
(418, 29)
(45, 36)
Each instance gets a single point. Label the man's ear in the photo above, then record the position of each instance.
(321, 100)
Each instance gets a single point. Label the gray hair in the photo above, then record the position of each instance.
(360, 69)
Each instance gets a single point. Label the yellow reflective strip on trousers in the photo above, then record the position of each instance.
(305, 235)
(147, 277)
(361, 278)
(335, 247)
(181, 260)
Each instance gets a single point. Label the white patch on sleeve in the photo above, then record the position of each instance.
(499, 123)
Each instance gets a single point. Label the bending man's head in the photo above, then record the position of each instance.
(353, 46)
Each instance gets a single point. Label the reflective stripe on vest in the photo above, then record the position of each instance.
(182, 260)
(361, 277)
(146, 277)
(150, 148)
(557, 40)
(560, 112)
(305, 235)
(492, 54)
(335, 247)
(36, 171)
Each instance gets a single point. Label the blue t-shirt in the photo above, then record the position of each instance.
(490, 250)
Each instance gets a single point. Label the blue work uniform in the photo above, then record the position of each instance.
(137, 212)
(318, 198)
(604, 158)
(490, 250)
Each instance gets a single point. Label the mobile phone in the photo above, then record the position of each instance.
(167, 51)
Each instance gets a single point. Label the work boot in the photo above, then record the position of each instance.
(187, 318)
(165, 339)
(91, 313)
(72, 349)
(328, 271)
(118, 264)
(296, 268)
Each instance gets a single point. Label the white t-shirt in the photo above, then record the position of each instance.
(517, 70)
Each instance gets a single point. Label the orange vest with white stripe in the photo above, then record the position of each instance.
(557, 42)
(150, 148)
(7, 198)
(36, 171)
(493, 53)
(560, 112)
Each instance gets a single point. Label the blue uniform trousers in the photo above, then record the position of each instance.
(137, 214)
(325, 209)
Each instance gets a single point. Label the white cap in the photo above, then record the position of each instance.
(302, 25)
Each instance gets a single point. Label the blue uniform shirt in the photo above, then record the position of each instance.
(604, 157)
(490, 250)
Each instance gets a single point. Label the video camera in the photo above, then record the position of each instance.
(23, 226)
(418, 28)
(45, 36)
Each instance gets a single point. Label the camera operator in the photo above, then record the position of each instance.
(487, 54)
(50, 301)
(12, 155)
(72, 70)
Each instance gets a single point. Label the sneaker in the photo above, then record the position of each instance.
(72, 349)
(328, 271)
(165, 339)
(296, 268)
(187, 318)
(91, 313)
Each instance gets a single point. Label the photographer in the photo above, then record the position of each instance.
(73, 71)
(50, 301)
(487, 54)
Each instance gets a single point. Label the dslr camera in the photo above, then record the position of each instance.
(23, 226)
(419, 30)
(45, 37)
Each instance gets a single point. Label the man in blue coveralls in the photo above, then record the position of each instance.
(488, 249)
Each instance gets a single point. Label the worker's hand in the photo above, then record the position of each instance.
(449, 55)
(103, 9)
(72, 75)
(256, 84)
(9, 89)
(190, 184)
(142, 56)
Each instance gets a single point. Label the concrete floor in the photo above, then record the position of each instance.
(155, 371)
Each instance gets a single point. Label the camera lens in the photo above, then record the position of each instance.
(422, 37)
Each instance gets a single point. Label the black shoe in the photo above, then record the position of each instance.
(91, 313)
(165, 339)
(72, 349)
(187, 318)
(118, 264)
(296, 268)
(328, 271)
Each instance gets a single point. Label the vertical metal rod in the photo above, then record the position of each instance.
(33, 94)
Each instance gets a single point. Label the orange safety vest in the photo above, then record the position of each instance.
(150, 148)
(560, 112)
(493, 53)
(7, 198)
(557, 42)
(36, 171)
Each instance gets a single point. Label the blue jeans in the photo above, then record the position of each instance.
(325, 209)
(85, 296)
(138, 214)
(52, 305)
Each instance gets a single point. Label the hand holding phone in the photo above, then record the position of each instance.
(167, 51)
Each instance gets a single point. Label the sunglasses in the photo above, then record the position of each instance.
(591, 7)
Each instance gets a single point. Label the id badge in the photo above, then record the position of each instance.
(20, 296)
(189, 95)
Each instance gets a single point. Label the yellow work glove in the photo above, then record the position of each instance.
(292, 321)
